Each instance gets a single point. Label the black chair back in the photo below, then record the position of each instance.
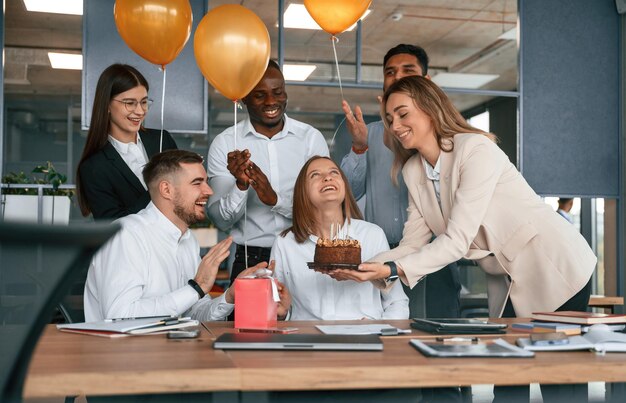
(38, 265)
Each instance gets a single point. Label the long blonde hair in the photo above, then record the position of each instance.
(431, 100)
(303, 222)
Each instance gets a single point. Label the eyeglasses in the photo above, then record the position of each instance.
(131, 104)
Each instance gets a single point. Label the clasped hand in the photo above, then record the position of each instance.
(247, 173)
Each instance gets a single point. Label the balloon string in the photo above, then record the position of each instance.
(162, 109)
(245, 206)
(245, 237)
(333, 40)
(235, 119)
(332, 140)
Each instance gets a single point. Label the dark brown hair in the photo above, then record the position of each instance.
(114, 80)
(167, 163)
(417, 51)
(431, 100)
(304, 223)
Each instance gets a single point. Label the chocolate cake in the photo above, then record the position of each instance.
(343, 251)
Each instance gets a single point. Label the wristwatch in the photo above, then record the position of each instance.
(394, 271)
(196, 287)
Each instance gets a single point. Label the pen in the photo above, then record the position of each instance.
(164, 317)
(283, 330)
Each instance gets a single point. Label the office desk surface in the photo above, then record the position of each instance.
(71, 364)
(66, 364)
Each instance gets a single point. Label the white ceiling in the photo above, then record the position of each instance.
(460, 36)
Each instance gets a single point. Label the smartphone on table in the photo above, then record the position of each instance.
(183, 334)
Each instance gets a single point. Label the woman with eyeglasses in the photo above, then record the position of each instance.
(109, 179)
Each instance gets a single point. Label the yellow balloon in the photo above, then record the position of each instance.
(335, 16)
(156, 30)
(232, 48)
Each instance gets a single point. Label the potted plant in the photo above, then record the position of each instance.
(21, 203)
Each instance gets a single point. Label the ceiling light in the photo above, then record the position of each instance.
(74, 7)
(461, 80)
(297, 17)
(510, 35)
(68, 61)
(298, 72)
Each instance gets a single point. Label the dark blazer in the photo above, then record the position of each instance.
(111, 188)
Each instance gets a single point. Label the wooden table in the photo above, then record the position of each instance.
(69, 364)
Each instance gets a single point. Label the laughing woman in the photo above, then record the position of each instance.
(464, 190)
(109, 180)
(321, 198)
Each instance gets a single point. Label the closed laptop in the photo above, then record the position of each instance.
(271, 341)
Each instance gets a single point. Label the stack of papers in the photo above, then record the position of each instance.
(384, 330)
(124, 327)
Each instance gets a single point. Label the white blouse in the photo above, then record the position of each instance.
(317, 296)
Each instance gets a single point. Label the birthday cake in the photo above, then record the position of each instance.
(337, 251)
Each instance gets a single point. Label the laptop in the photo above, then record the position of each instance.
(272, 341)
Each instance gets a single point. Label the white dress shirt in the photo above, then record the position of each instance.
(434, 173)
(143, 271)
(317, 296)
(566, 215)
(280, 158)
(133, 154)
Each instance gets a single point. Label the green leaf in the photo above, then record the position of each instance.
(49, 176)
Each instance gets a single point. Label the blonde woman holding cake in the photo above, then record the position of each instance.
(322, 201)
(464, 190)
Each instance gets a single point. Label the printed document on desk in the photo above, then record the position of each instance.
(129, 326)
(381, 329)
(599, 338)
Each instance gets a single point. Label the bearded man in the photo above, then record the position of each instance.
(152, 266)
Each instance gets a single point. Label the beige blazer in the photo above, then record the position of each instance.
(491, 215)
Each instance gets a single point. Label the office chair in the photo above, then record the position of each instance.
(38, 264)
(71, 306)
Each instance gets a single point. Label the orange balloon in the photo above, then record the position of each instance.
(232, 48)
(156, 30)
(335, 16)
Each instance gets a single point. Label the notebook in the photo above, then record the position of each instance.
(272, 341)
(582, 318)
(129, 326)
